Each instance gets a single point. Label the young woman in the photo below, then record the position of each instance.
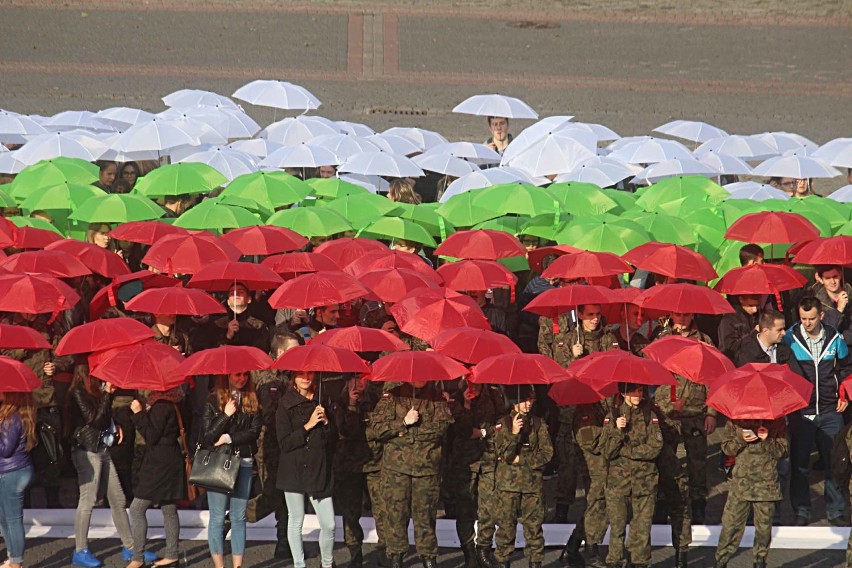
(162, 476)
(306, 435)
(231, 423)
(17, 438)
(402, 191)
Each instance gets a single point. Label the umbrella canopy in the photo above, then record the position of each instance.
(390, 285)
(471, 345)
(342, 251)
(476, 275)
(300, 156)
(65, 196)
(797, 167)
(103, 334)
(671, 260)
(586, 264)
(760, 279)
(320, 358)
(33, 238)
(381, 164)
(392, 259)
(311, 221)
(426, 313)
(145, 232)
(125, 287)
(772, 227)
(496, 105)
(180, 179)
(277, 94)
(335, 188)
(607, 367)
(220, 276)
(272, 189)
(518, 369)
(35, 294)
(99, 260)
(416, 366)
(216, 217)
(117, 208)
(175, 301)
(395, 228)
(17, 377)
(266, 239)
(832, 250)
(574, 390)
(21, 337)
(148, 365)
(8, 233)
(361, 339)
(47, 262)
(323, 288)
(52, 172)
(691, 130)
(187, 254)
(663, 227)
(535, 257)
(292, 264)
(481, 244)
(759, 391)
(224, 360)
(517, 199)
(605, 235)
(555, 301)
(684, 299)
(697, 361)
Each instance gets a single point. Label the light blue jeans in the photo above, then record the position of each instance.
(324, 509)
(237, 502)
(12, 487)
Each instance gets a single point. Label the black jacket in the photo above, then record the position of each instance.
(243, 428)
(90, 416)
(162, 476)
(750, 351)
(735, 330)
(306, 456)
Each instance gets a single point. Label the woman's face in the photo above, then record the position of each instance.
(303, 380)
(238, 381)
(130, 173)
(101, 239)
(107, 176)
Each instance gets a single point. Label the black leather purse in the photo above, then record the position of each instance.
(215, 470)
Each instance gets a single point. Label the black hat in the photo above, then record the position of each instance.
(519, 393)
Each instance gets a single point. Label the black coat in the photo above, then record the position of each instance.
(90, 416)
(750, 351)
(243, 428)
(306, 456)
(162, 476)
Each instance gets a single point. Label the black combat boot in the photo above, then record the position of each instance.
(396, 560)
(484, 559)
(560, 515)
(282, 547)
(469, 551)
(760, 564)
(571, 556)
(593, 557)
(356, 557)
(699, 508)
(429, 561)
(681, 560)
(382, 558)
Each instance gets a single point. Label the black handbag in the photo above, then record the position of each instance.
(215, 470)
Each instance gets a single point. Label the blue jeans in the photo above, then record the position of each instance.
(12, 487)
(237, 502)
(804, 434)
(324, 508)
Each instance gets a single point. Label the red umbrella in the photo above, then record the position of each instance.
(831, 250)
(17, 377)
(535, 257)
(175, 301)
(759, 391)
(697, 361)
(145, 232)
(345, 250)
(416, 366)
(265, 239)
(220, 276)
(320, 358)
(684, 299)
(361, 339)
(772, 227)
(32, 238)
(551, 303)
(21, 337)
(471, 345)
(481, 244)
(586, 264)
(760, 279)
(392, 259)
(224, 360)
(575, 390)
(102, 335)
(323, 288)
(47, 262)
(8, 233)
(34, 294)
(390, 285)
(290, 265)
(473, 275)
(99, 260)
(134, 283)
(671, 260)
(148, 365)
(518, 369)
(606, 367)
(426, 313)
(187, 254)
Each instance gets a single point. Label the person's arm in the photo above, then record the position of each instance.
(291, 434)
(152, 423)
(544, 451)
(776, 441)
(10, 434)
(545, 336)
(732, 441)
(384, 424)
(250, 434)
(214, 424)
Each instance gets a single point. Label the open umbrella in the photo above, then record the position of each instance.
(217, 217)
(148, 365)
(697, 361)
(8, 233)
(323, 288)
(103, 334)
(605, 235)
(671, 260)
(187, 254)
(606, 367)
(759, 391)
(267, 239)
(277, 94)
(481, 244)
(271, 189)
(518, 369)
(586, 264)
(117, 208)
(575, 390)
(224, 360)
(381, 164)
(555, 301)
(416, 366)
(125, 287)
(335, 188)
(65, 196)
(425, 313)
(361, 339)
(344, 250)
(21, 337)
(471, 345)
(684, 299)
(535, 257)
(145, 232)
(17, 377)
(46, 262)
(320, 358)
(175, 301)
(395, 228)
(691, 130)
(760, 279)
(392, 259)
(220, 276)
(35, 294)
(311, 221)
(477, 275)
(496, 105)
(831, 251)
(390, 285)
(99, 260)
(772, 227)
(292, 264)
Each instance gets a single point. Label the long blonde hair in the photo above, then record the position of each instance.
(24, 405)
(403, 192)
(248, 403)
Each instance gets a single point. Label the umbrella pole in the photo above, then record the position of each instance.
(627, 326)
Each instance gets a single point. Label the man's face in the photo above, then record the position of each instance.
(328, 315)
(682, 322)
(632, 317)
(832, 280)
(238, 298)
(756, 260)
(591, 317)
(750, 304)
(775, 334)
(499, 127)
(810, 319)
(530, 242)
(288, 345)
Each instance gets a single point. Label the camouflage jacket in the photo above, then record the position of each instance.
(693, 394)
(633, 450)
(410, 450)
(558, 346)
(533, 449)
(638, 342)
(373, 314)
(588, 427)
(370, 397)
(755, 475)
(485, 410)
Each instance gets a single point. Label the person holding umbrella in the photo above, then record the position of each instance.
(17, 439)
(500, 137)
(237, 326)
(834, 292)
(735, 329)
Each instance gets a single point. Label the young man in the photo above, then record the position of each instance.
(833, 293)
(500, 138)
(767, 345)
(737, 327)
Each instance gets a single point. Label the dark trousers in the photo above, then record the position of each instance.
(804, 435)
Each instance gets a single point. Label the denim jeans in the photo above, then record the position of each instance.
(324, 509)
(237, 502)
(804, 434)
(94, 470)
(12, 487)
(139, 525)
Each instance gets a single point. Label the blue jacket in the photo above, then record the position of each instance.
(825, 373)
(13, 445)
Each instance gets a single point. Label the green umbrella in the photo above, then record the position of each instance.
(517, 199)
(626, 200)
(51, 172)
(835, 216)
(311, 221)
(680, 206)
(511, 224)
(117, 208)
(272, 190)
(180, 179)
(679, 187)
(733, 209)
(212, 216)
(709, 226)
(617, 236)
(243, 202)
(66, 196)
(335, 188)
(6, 200)
(425, 216)
(35, 223)
(360, 209)
(845, 229)
(398, 228)
(461, 212)
(546, 226)
(663, 228)
(583, 198)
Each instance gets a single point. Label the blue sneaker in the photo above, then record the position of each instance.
(127, 555)
(86, 559)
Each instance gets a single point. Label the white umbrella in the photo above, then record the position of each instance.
(213, 132)
(674, 167)
(550, 156)
(354, 128)
(745, 147)
(620, 143)
(277, 94)
(837, 152)
(444, 164)
(230, 122)
(381, 164)
(257, 147)
(230, 163)
(841, 195)
(373, 184)
(600, 174)
(754, 191)
(466, 150)
(652, 151)
(197, 97)
(484, 178)
(787, 141)
(691, 130)
(123, 117)
(567, 133)
(496, 105)
(299, 130)
(395, 144)
(16, 128)
(425, 139)
(300, 156)
(53, 145)
(156, 136)
(724, 163)
(344, 145)
(797, 167)
(604, 133)
(71, 119)
(9, 164)
(534, 133)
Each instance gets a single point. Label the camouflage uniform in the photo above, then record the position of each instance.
(373, 467)
(520, 491)
(754, 483)
(410, 465)
(588, 429)
(373, 314)
(673, 485)
(632, 478)
(849, 542)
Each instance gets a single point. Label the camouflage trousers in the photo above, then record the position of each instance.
(475, 498)
(695, 444)
(528, 508)
(416, 498)
(569, 463)
(734, 520)
(594, 518)
(641, 494)
(348, 500)
(378, 504)
(675, 492)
